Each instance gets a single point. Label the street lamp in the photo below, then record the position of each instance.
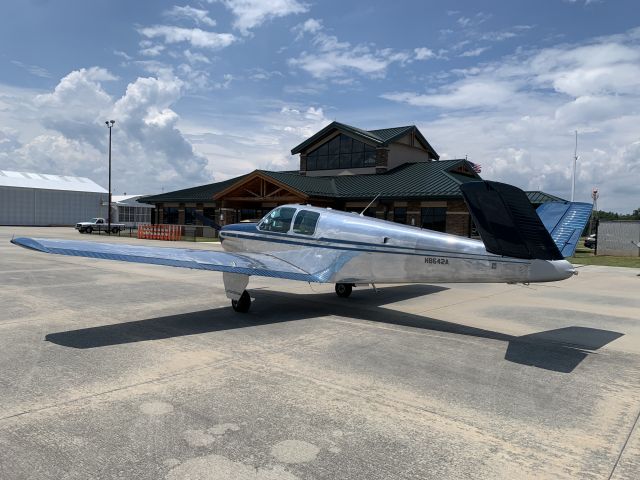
(109, 124)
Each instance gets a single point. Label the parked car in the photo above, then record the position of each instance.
(99, 224)
(590, 241)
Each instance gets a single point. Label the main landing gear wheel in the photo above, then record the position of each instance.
(243, 304)
(343, 289)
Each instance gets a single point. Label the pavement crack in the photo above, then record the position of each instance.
(119, 389)
(624, 446)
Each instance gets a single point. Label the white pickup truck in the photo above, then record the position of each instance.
(99, 224)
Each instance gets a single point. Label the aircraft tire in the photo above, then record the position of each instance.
(343, 289)
(243, 304)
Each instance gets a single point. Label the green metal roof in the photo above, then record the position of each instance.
(423, 179)
(381, 137)
(386, 134)
(410, 180)
(538, 197)
(313, 186)
(194, 194)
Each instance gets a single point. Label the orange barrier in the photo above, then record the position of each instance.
(160, 232)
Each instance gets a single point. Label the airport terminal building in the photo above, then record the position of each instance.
(344, 168)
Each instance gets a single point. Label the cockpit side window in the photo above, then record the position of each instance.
(305, 222)
(279, 220)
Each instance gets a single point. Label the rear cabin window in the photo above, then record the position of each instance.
(305, 223)
(279, 220)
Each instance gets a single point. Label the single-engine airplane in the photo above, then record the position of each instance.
(312, 244)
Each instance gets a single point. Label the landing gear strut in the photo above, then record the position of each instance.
(243, 304)
(343, 289)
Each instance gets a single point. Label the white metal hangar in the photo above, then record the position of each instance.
(126, 209)
(41, 199)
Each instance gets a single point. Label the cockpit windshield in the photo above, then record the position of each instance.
(278, 220)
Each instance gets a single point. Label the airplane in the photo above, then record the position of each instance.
(321, 245)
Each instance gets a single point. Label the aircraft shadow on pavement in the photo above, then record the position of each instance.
(559, 350)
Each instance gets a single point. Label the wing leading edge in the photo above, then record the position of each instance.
(260, 264)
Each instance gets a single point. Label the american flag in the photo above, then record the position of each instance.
(476, 167)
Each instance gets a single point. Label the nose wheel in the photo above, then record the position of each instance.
(243, 304)
(343, 289)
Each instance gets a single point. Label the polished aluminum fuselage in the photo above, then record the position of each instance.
(351, 248)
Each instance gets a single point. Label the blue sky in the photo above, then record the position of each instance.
(205, 90)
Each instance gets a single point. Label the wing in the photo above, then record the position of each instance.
(260, 264)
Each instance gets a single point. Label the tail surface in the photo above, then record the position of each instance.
(565, 222)
(507, 222)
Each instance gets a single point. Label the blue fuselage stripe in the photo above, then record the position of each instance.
(356, 246)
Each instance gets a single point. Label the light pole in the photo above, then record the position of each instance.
(109, 124)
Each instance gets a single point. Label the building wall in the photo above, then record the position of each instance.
(400, 153)
(386, 159)
(619, 238)
(30, 206)
(132, 215)
(458, 220)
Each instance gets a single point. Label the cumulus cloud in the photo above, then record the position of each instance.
(517, 116)
(257, 141)
(310, 25)
(250, 14)
(78, 88)
(148, 147)
(603, 67)
(75, 104)
(194, 36)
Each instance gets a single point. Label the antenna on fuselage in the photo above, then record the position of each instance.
(365, 208)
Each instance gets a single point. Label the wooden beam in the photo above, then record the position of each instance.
(253, 193)
(274, 192)
(270, 199)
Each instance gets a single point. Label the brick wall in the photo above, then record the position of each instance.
(457, 218)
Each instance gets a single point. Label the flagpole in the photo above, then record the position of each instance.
(575, 161)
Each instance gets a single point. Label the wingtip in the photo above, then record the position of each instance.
(26, 242)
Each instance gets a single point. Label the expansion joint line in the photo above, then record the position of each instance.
(624, 446)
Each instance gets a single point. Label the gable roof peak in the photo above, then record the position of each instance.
(380, 137)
